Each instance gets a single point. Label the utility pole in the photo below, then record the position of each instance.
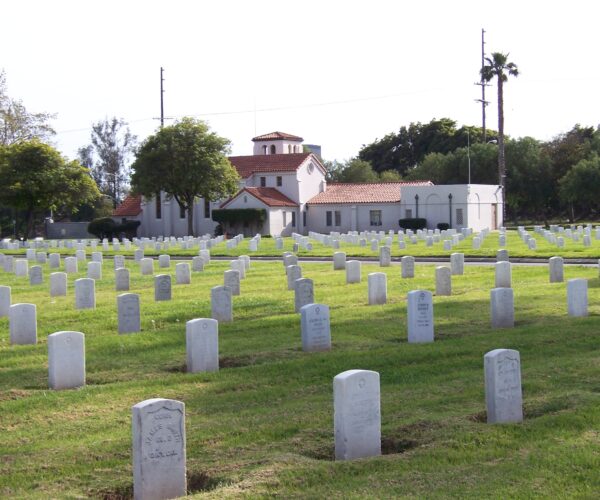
(162, 108)
(483, 85)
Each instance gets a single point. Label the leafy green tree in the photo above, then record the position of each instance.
(16, 123)
(108, 155)
(499, 68)
(186, 161)
(581, 185)
(36, 179)
(356, 170)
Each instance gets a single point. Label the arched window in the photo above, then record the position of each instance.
(289, 148)
(265, 150)
(273, 150)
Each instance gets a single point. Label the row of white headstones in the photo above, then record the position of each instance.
(356, 392)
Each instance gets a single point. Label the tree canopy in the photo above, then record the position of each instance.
(37, 179)
(186, 161)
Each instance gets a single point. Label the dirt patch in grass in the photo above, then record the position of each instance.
(119, 493)
(13, 394)
(541, 408)
(236, 361)
(201, 481)
(480, 417)
(179, 368)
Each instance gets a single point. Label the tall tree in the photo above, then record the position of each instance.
(498, 67)
(186, 161)
(37, 179)
(108, 155)
(18, 124)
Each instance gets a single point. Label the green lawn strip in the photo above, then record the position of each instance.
(263, 424)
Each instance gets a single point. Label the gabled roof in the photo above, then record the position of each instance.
(131, 206)
(377, 192)
(247, 165)
(268, 195)
(276, 136)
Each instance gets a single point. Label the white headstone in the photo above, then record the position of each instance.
(36, 277)
(457, 263)
(22, 319)
(315, 327)
(476, 243)
(353, 271)
(357, 414)
(503, 276)
(58, 284)
(339, 260)
(71, 265)
(385, 256)
(122, 280)
(80, 255)
(303, 293)
(21, 268)
(202, 345)
(420, 316)
(138, 255)
(94, 270)
(118, 262)
(231, 279)
(289, 260)
(164, 261)
(377, 284)
(556, 266)
(5, 300)
(162, 287)
(443, 281)
(85, 293)
(159, 463)
(97, 257)
(147, 266)
(577, 297)
(502, 307)
(54, 261)
(502, 255)
(408, 266)
(293, 273)
(66, 360)
(197, 264)
(183, 274)
(503, 394)
(128, 306)
(221, 304)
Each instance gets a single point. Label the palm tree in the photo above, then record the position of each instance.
(498, 66)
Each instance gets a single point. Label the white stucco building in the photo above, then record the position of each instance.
(290, 186)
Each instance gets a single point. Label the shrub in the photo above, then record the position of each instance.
(414, 224)
(239, 215)
(105, 227)
(443, 226)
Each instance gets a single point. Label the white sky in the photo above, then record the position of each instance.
(379, 64)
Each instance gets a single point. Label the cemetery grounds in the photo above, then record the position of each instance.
(263, 424)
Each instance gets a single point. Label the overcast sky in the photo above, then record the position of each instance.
(338, 73)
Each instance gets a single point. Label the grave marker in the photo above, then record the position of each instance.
(22, 324)
(58, 284)
(577, 297)
(377, 285)
(315, 327)
(162, 287)
(221, 304)
(503, 394)
(202, 345)
(85, 293)
(502, 307)
(122, 280)
(66, 360)
(128, 306)
(303, 293)
(420, 316)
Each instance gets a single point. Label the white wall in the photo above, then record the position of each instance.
(355, 217)
(281, 146)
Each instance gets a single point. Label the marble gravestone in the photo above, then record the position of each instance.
(339, 260)
(146, 266)
(58, 284)
(315, 327)
(21, 268)
(164, 261)
(577, 297)
(556, 266)
(128, 307)
(377, 288)
(443, 281)
(503, 396)
(293, 272)
(159, 460)
(22, 319)
(503, 274)
(197, 264)
(183, 274)
(303, 293)
(54, 261)
(231, 279)
(66, 360)
(385, 256)
(353, 271)
(502, 255)
(118, 262)
(162, 287)
(221, 304)
(5, 299)
(202, 345)
(457, 263)
(419, 316)
(502, 308)
(357, 414)
(408, 266)
(71, 265)
(85, 293)
(36, 277)
(138, 255)
(122, 280)
(94, 270)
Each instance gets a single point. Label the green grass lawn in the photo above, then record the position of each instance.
(263, 425)
(516, 248)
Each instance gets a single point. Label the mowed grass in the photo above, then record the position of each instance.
(263, 425)
(489, 247)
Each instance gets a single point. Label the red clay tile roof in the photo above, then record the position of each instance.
(378, 192)
(131, 206)
(275, 136)
(269, 196)
(247, 165)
